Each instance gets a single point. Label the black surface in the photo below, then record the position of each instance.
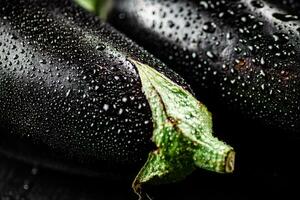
(17, 182)
(266, 161)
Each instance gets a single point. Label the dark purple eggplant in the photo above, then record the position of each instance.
(241, 56)
(74, 86)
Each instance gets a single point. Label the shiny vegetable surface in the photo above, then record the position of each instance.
(77, 87)
(241, 55)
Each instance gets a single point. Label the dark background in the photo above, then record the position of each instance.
(266, 167)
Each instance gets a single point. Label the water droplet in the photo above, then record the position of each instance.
(211, 55)
(43, 61)
(209, 27)
(257, 4)
(262, 61)
(285, 17)
(105, 107)
(68, 93)
(124, 99)
(100, 47)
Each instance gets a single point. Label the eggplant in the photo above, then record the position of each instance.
(240, 56)
(74, 86)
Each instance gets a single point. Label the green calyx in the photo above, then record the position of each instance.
(182, 133)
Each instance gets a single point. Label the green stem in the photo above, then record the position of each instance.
(182, 133)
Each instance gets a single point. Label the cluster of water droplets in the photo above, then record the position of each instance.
(243, 51)
(66, 82)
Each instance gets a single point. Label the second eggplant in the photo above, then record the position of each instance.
(241, 55)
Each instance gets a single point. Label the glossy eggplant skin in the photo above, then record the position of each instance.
(66, 86)
(290, 6)
(237, 55)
